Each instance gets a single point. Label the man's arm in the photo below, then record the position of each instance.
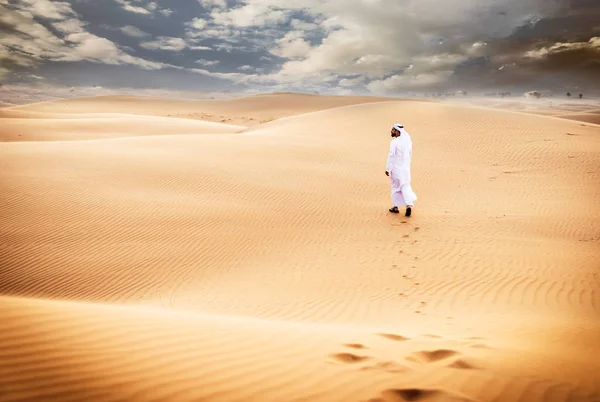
(391, 154)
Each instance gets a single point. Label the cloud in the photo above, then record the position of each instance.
(133, 31)
(350, 82)
(172, 44)
(209, 4)
(165, 43)
(409, 81)
(146, 7)
(207, 63)
(593, 45)
(24, 42)
(378, 45)
(301, 25)
(292, 46)
(251, 14)
(55, 10)
(69, 26)
(196, 23)
(393, 44)
(129, 6)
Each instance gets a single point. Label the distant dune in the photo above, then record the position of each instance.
(246, 111)
(242, 250)
(584, 110)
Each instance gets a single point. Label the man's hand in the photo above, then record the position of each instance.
(387, 173)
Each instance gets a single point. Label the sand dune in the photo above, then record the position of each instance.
(584, 110)
(264, 265)
(247, 111)
(85, 351)
(72, 127)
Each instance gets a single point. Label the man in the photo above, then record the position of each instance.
(398, 170)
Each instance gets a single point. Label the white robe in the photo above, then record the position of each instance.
(398, 165)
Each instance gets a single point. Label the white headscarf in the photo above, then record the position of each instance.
(404, 136)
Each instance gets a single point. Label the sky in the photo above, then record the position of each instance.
(380, 47)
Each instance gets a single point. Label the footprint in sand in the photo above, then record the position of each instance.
(431, 356)
(462, 365)
(355, 345)
(416, 229)
(387, 366)
(394, 337)
(479, 346)
(417, 394)
(348, 358)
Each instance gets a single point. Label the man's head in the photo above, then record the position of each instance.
(396, 130)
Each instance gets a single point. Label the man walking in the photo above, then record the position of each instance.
(398, 170)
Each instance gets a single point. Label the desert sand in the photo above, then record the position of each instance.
(242, 250)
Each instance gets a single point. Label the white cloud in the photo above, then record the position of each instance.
(200, 47)
(305, 26)
(593, 43)
(251, 14)
(207, 63)
(350, 82)
(129, 6)
(173, 44)
(29, 43)
(386, 45)
(408, 81)
(146, 7)
(69, 26)
(165, 43)
(375, 39)
(292, 46)
(54, 10)
(133, 31)
(213, 3)
(236, 77)
(196, 23)
(226, 47)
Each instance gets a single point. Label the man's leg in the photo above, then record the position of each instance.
(410, 197)
(396, 192)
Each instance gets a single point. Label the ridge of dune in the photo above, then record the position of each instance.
(488, 292)
(110, 353)
(35, 126)
(586, 112)
(247, 111)
(433, 107)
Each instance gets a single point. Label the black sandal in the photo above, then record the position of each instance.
(408, 211)
(394, 210)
